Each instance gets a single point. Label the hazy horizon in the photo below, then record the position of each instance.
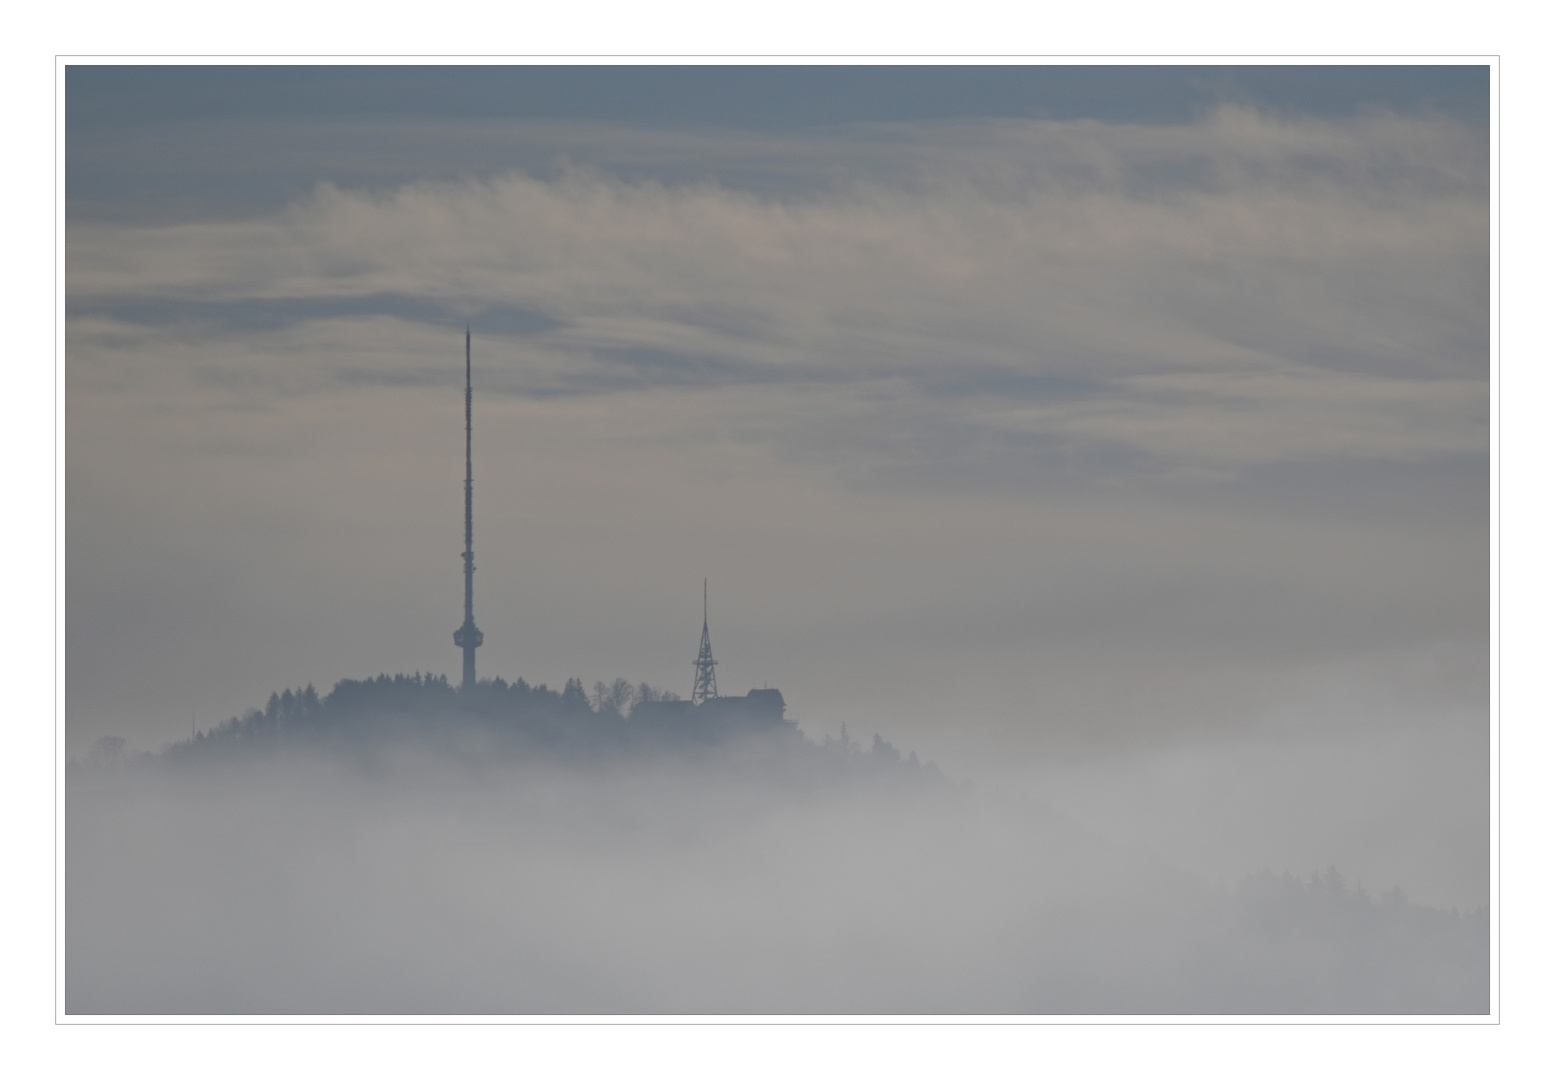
(1113, 437)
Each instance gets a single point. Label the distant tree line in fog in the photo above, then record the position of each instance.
(496, 718)
(1347, 951)
(619, 696)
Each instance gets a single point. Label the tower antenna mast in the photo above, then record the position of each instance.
(706, 685)
(468, 637)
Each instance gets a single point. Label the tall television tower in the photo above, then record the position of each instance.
(468, 637)
(706, 686)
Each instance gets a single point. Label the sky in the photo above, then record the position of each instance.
(1121, 433)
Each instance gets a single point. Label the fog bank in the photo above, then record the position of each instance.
(413, 883)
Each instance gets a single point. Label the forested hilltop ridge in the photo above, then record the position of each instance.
(503, 721)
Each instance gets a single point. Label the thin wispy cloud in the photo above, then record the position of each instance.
(1236, 290)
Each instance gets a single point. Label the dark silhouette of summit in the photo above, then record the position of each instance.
(496, 722)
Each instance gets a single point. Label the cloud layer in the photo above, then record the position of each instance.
(1207, 297)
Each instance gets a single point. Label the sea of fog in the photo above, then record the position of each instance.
(738, 880)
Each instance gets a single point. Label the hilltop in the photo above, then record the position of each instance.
(496, 721)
